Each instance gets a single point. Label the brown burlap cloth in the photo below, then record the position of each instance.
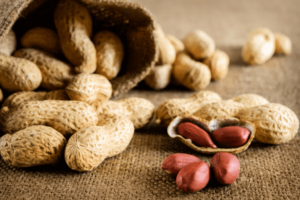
(267, 171)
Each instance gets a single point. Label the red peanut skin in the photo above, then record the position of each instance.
(225, 167)
(193, 177)
(175, 162)
(196, 134)
(231, 136)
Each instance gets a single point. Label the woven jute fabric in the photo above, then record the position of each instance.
(267, 171)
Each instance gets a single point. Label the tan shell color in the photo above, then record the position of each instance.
(89, 88)
(9, 43)
(177, 44)
(250, 100)
(57, 95)
(219, 110)
(209, 127)
(275, 123)
(67, 117)
(199, 44)
(42, 38)
(159, 77)
(140, 111)
(259, 47)
(172, 108)
(17, 98)
(283, 44)
(167, 52)
(110, 53)
(35, 145)
(18, 74)
(1, 95)
(190, 73)
(218, 64)
(87, 148)
(74, 26)
(55, 73)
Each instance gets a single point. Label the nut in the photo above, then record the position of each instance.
(275, 123)
(55, 73)
(177, 44)
(87, 148)
(193, 177)
(189, 73)
(128, 107)
(195, 134)
(18, 74)
(42, 38)
(219, 110)
(1, 95)
(9, 43)
(67, 117)
(250, 100)
(110, 53)
(199, 44)
(172, 108)
(159, 77)
(17, 98)
(74, 26)
(35, 145)
(259, 47)
(283, 44)
(89, 88)
(209, 127)
(218, 64)
(231, 136)
(175, 162)
(225, 167)
(57, 95)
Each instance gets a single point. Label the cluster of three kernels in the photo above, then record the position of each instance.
(192, 174)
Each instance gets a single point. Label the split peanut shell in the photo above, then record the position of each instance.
(209, 127)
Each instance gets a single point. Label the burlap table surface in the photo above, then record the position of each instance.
(267, 171)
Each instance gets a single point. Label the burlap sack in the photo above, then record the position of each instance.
(132, 22)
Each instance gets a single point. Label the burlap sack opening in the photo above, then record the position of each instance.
(132, 22)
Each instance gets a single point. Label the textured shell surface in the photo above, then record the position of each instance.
(275, 123)
(250, 100)
(177, 44)
(19, 74)
(57, 95)
(1, 95)
(259, 47)
(87, 148)
(67, 117)
(190, 73)
(218, 64)
(159, 77)
(42, 38)
(55, 73)
(110, 53)
(89, 88)
(209, 127)
(9, 43)
(74, 26)
(17, 98)
(172, 108)
(219, 109)
(283, 44)
(199, 44)
(35, 145)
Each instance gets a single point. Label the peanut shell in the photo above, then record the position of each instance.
(159, 77)
(67, 117)
(177, 44)
(110, 53)
(17, 98)
(275, 123)
(1, 95)
(55, 73)
(9, 43)
(189, 73)
(209, 127)
(18, 74)
(89, 88)
(42, 38)
(283, 44)
(35, 145)
(218, 64)
(250, 100)
(57, 95)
